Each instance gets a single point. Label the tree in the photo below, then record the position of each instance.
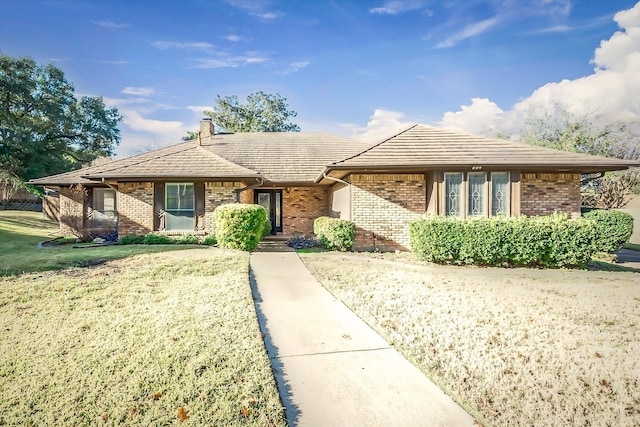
(44, 129)
(567, 132)
(190, 135)
(263, 112)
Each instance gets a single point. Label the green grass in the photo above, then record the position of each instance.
(20, 233)
(133, 340)
(632, 246)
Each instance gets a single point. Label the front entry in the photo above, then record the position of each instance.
(271, 200)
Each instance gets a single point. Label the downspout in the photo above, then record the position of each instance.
(330, 178)
(248, 187)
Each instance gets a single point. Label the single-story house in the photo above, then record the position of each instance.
(298, 177)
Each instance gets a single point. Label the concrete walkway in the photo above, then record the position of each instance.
(332, 368)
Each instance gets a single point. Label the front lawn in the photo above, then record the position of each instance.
(515, 347)
(151, 339)
(20, 233)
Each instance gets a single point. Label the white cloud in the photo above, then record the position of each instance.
(135, 121)
(396, 7)
(183, 45)
(269, 15)
(382, 124)
(199, 109)
(294, 67)
(228, 62)
(610, 92)
(111, 25)
(469, 31)
(256, 8)
(234, 38)
(481, 116)
(138, 91)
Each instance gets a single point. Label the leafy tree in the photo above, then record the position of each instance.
(568, 132)
(190, 135)
(44, 129)
(262, 112)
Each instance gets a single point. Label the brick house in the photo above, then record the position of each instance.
(298, 177)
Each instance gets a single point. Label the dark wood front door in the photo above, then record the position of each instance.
(271, 200)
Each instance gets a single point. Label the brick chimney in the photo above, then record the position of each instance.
(206, 127)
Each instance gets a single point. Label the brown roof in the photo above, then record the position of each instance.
(293, 157)
(284, 156)
(427, 147)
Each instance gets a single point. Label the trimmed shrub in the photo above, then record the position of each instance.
(267, 228)
(335, 233)
(239, 226)
(550, 241)
(614, 228)
(186, 239)
(131, 239)
(157, 239)
(210, 240)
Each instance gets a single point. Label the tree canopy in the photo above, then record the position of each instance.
(585, 134)
(262, 112)
(44, 129)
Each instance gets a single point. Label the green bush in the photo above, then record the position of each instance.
(614, 228)
(550, 241)
(239, 226)
(267, 228)
(131, 239)
(186, 239)
(335, 233)
(157, 239)
(210, 240)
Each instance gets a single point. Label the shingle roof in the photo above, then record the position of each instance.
(292, 157)
(422, 146)
(187, 160)
(284, 156)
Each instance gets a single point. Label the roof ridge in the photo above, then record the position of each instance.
(377, 144)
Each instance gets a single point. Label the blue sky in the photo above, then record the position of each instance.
(355, 68)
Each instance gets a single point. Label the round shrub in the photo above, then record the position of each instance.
(614, 228)
(335, 233)
(239, 225)
(210, 240)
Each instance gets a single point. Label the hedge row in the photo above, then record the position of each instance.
(335, 233)
(163, 239)
(615, 228)
(551, 241)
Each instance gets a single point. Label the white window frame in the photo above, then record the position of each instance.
(101, 217)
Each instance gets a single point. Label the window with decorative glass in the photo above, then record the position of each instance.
(179, 206)
(474, 188)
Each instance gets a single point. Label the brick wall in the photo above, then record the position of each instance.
(545, 194)
(383, 205)
(301, 206)
(72, 205)
(216, 194)
(135, 208)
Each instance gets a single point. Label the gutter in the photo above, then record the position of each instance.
(248, 187)
(330, 178)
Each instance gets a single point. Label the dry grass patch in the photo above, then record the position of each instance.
(149, 340)
(515, 347)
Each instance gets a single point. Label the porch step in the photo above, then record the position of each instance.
(273, 245)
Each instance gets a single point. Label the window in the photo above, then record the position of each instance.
(477, 198)
(500, 195)
(474, 188)
(179, 206)
(104, 214)
(453, 194)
